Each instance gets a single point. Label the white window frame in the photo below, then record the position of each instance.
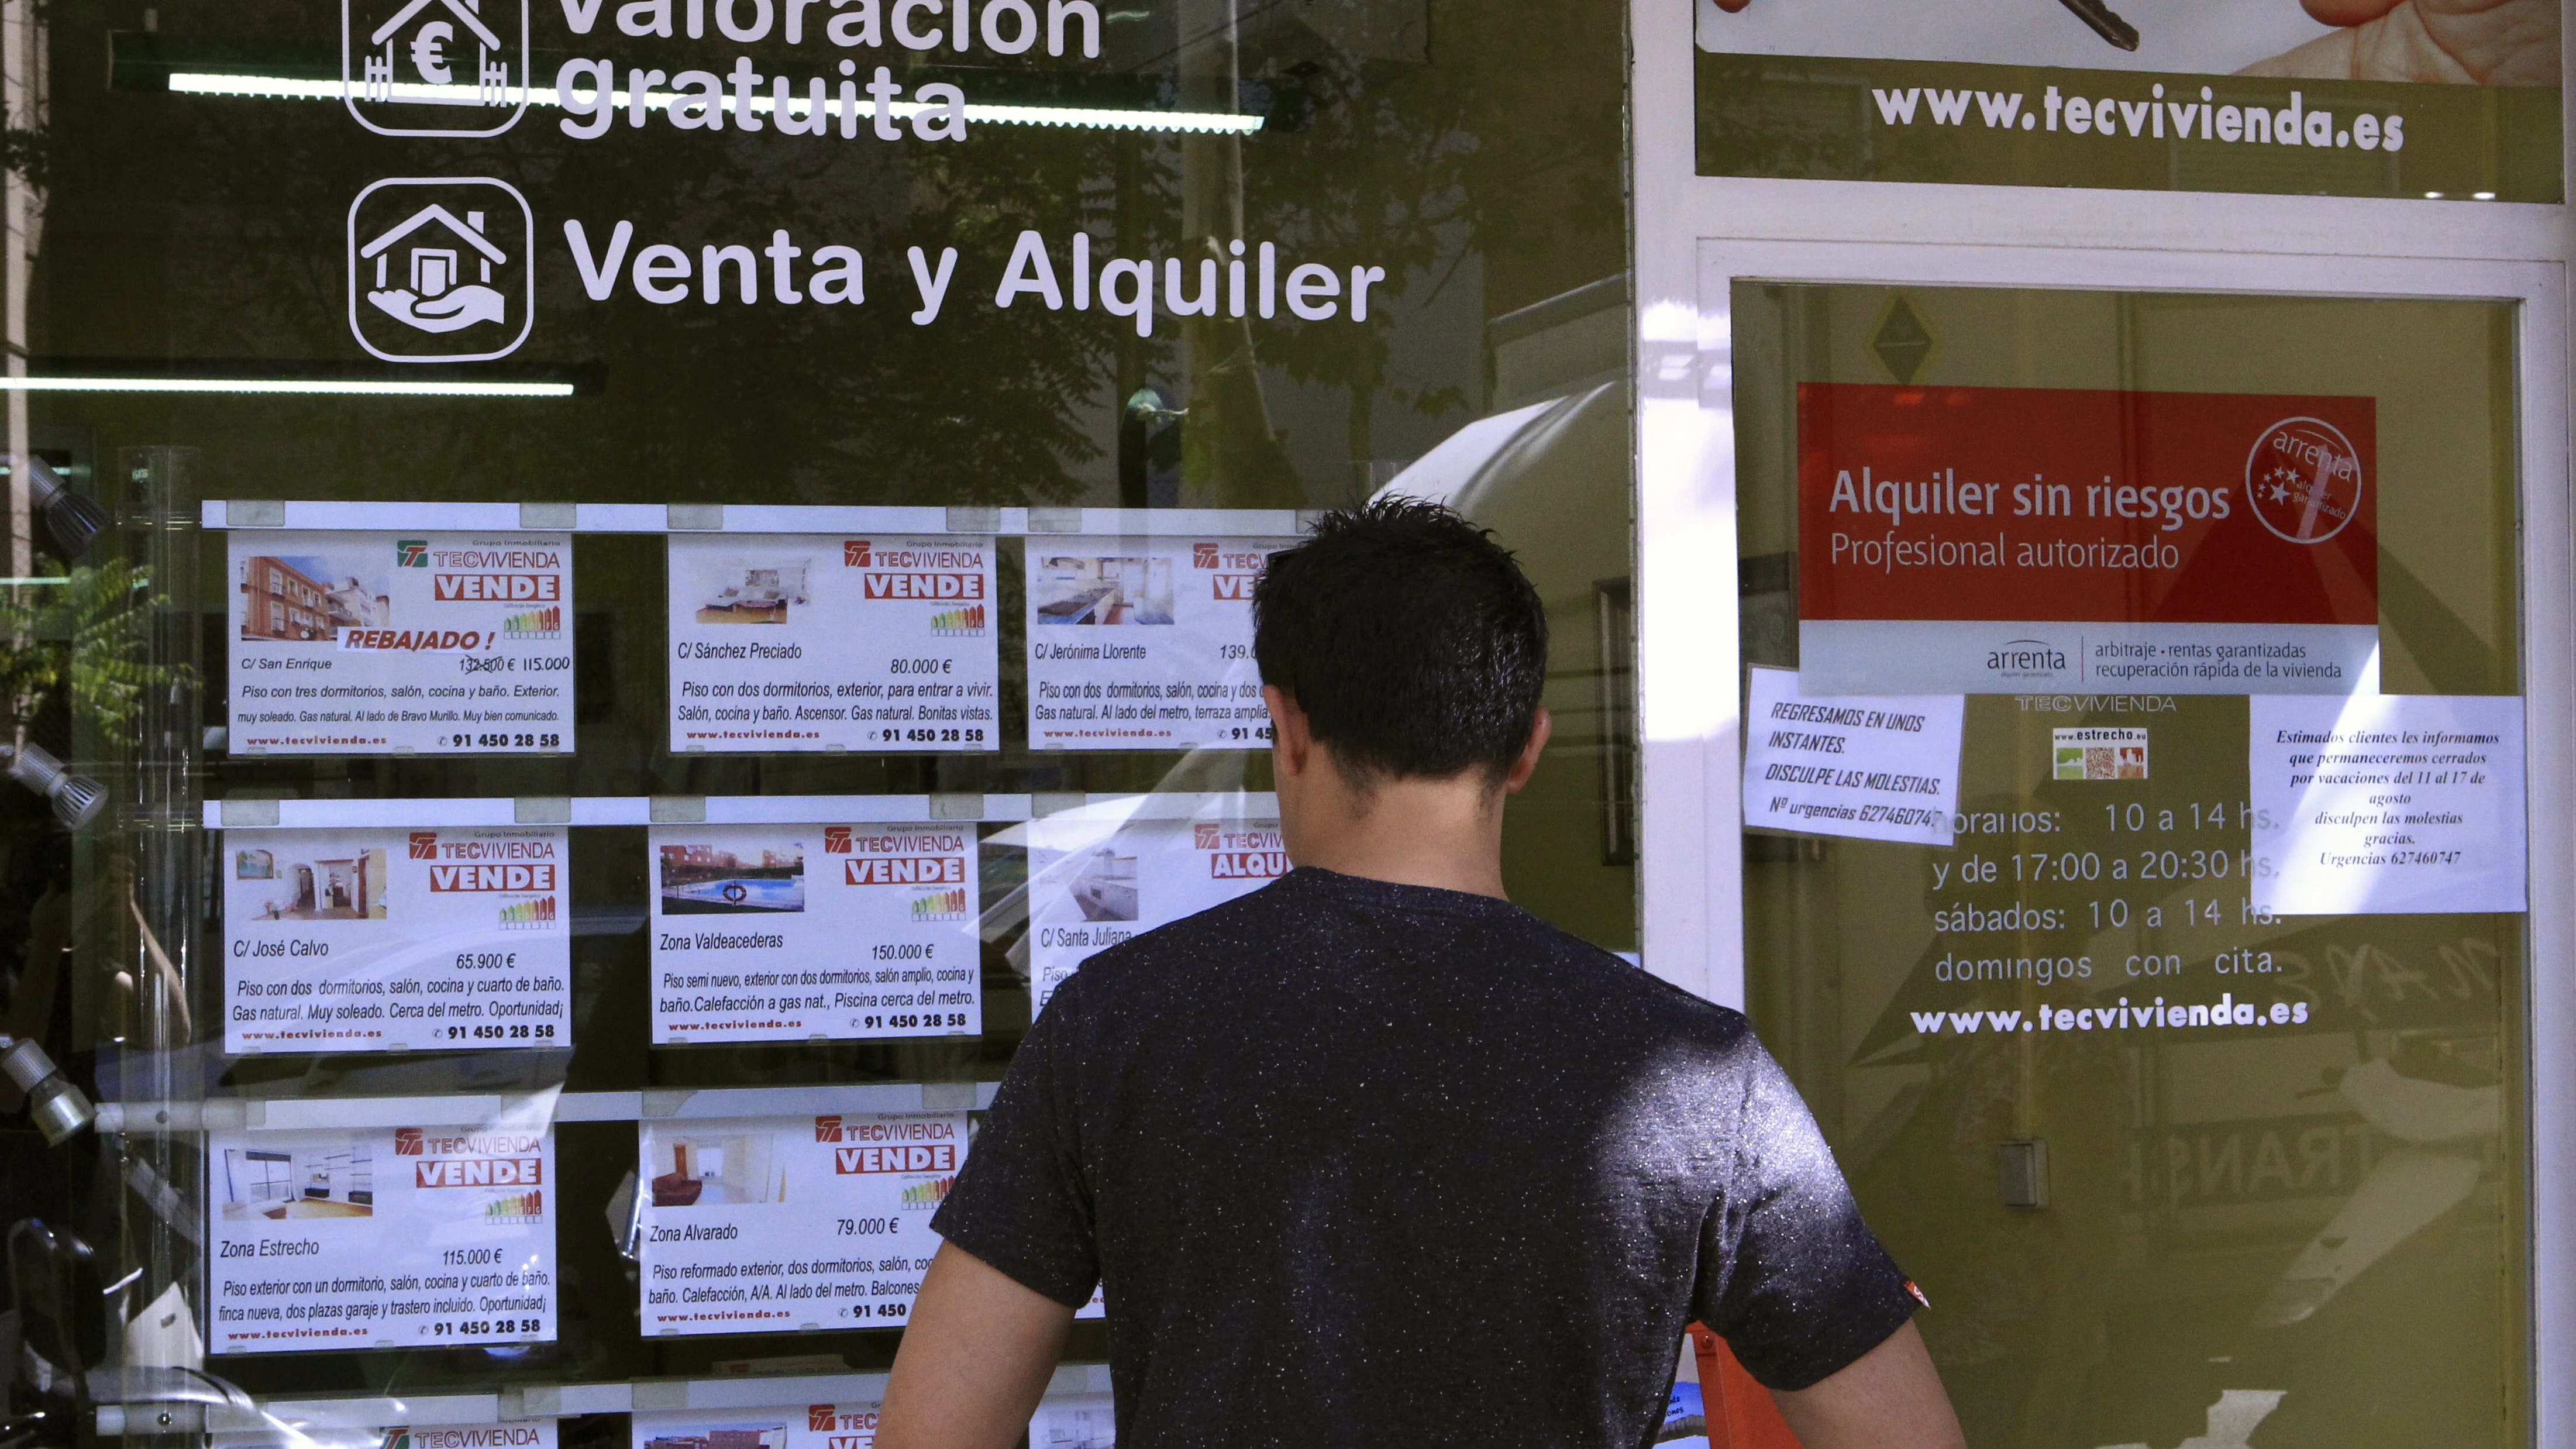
(1694, 236)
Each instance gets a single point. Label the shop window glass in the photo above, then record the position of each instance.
(615, 665)
(2169, 1023)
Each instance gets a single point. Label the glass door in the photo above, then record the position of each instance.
(2134, 863)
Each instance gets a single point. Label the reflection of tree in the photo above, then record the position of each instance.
(1376, 180)
(88, 641)
(1493, 156)
(816, 403)
(1500, 154)
(1775, 116)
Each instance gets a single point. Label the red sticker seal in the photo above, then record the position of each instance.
(2304, 480)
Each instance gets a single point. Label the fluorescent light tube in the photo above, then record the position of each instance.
(269, 87)
(288, 386)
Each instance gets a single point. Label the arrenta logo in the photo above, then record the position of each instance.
(2026, 659)
(441, 257)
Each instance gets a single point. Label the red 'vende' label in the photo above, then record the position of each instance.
(1994, 503)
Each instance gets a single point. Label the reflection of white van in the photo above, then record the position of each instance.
(760, 588)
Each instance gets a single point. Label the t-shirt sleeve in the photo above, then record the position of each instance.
(1021, 1203)
(1789, 1275)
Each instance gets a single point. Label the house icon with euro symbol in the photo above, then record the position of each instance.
(434, 67)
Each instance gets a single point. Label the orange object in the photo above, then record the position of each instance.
(1740, 1412)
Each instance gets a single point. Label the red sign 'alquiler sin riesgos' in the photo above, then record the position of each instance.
(1977, 540)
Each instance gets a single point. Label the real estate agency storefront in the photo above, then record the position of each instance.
(675, 567)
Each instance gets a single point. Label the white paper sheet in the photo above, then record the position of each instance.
(790, 932)
(1144, 644)
(1872, 769)
(780, 1224)
(2389, 804)
(381, 940)
(386, 643)
(785, 642)
(379, 1237)
(1097, 878)
(850, 1424)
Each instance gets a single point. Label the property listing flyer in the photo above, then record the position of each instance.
(789, 932)
(395, 940)
(1074, 1421)
(1144, 644)
(492, 1434)
(777, 1224)
(784, 642)
(1984, 540)
(849, 1424)
(379, 1237)
(1097, 879)
(385, 643)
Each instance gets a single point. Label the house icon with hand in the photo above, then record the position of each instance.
(441, 255)
(435, 296)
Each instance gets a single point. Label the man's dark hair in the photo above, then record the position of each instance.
(1410, 638)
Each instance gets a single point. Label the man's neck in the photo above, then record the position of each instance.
(1446, 834)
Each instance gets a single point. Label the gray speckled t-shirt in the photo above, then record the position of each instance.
(1363, 1163)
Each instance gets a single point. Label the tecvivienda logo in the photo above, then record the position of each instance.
(821, 1418)
(424, 845)
(434, 67)
(411, 553)
(441, 257)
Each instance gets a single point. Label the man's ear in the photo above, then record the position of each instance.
(1292, 742)
(1540, 729)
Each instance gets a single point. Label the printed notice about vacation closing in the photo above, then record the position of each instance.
(1983, 540)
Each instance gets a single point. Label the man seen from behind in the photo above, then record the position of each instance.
(1372, 1156)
